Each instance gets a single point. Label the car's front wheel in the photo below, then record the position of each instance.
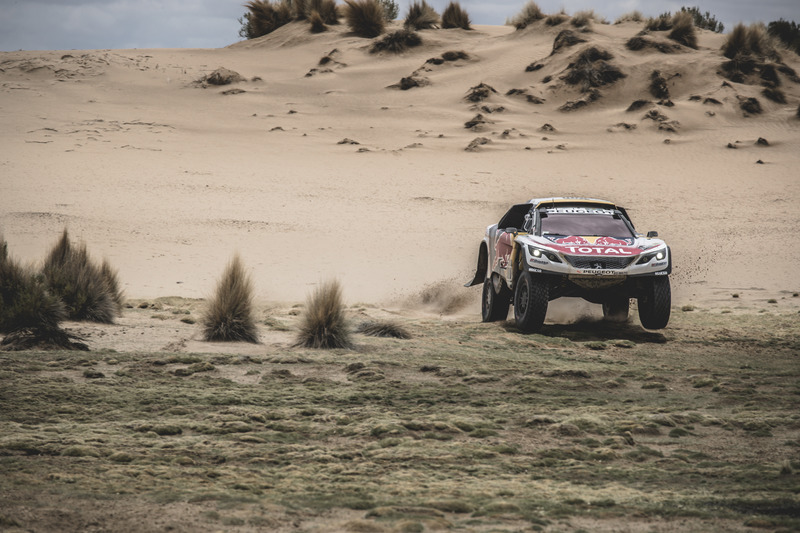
(530, 302)
(616, 309)
(655, 302)
(494, 306)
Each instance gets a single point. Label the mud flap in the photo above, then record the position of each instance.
(480, 271)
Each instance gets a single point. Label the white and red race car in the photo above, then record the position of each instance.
(551, 248)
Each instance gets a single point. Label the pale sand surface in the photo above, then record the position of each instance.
(167, 180)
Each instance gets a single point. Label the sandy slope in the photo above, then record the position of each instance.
(168, 179)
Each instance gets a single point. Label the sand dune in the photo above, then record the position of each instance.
(168, 177)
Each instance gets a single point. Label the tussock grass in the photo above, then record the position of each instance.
(327, 11)
(421, 16)
(30, 315)
(750, 42)
(683, 30)
(316, 22)
(89, 292)
(324, 324)
(229, 314)
(396, 41)
(383, 328)
(365, 18)
(264, 17)
(632, 16)
(583, 19)
(454, 16)
(530, 13)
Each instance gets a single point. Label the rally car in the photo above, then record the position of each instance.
(551, 248)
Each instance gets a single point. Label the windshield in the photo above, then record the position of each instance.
(584, 225)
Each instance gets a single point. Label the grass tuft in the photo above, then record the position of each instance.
(556, 18)
(683, 29)
(324, 324)
(229, 315)
(326, 10)
(365, 18)
(583, 19)
(89, 292)
(454, 16)
(633, 16)
(396, 42)
(421, 16)
(317, 23)
(750, 41)
(531, 12)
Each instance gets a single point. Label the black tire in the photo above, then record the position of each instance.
(616, 309)
(655, 302)
(494, 306)
(530, 302)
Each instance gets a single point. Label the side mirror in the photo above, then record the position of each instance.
(652, 234)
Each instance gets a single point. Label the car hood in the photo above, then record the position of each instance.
(592, 245)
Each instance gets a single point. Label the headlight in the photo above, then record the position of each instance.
(646, 258)
(538, 252)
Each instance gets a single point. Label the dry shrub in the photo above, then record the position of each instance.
(229, 315)
(324, 324)
(421, 16)
(89, 292)
(683, 29)
(454, 16)
(658, 85)
(479, 93)
(365, 18)
(633, 16)
(382, 328)
(29, 314)
(556, 19)
(317, 24)
(265, 17)
(531, 12)
(326, 9)
(396, 42)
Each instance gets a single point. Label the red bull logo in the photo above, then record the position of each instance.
(611, 241)
(593, 241)
(572, 240)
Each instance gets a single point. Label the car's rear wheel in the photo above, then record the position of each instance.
(655, 302)
(616, 309)
(530, 302)
(494, 306)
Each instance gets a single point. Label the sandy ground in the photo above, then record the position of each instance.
(168, 179)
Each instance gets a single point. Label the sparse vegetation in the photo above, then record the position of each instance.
(683, 30)
(365, 18)
(663, 22)
(421, 16)
(89, 292)
(530, 13)
(316, 22)
(396, 42)
(749, 43)
(229, 314)
(324, 324)
(454, 16)
(264, 17)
